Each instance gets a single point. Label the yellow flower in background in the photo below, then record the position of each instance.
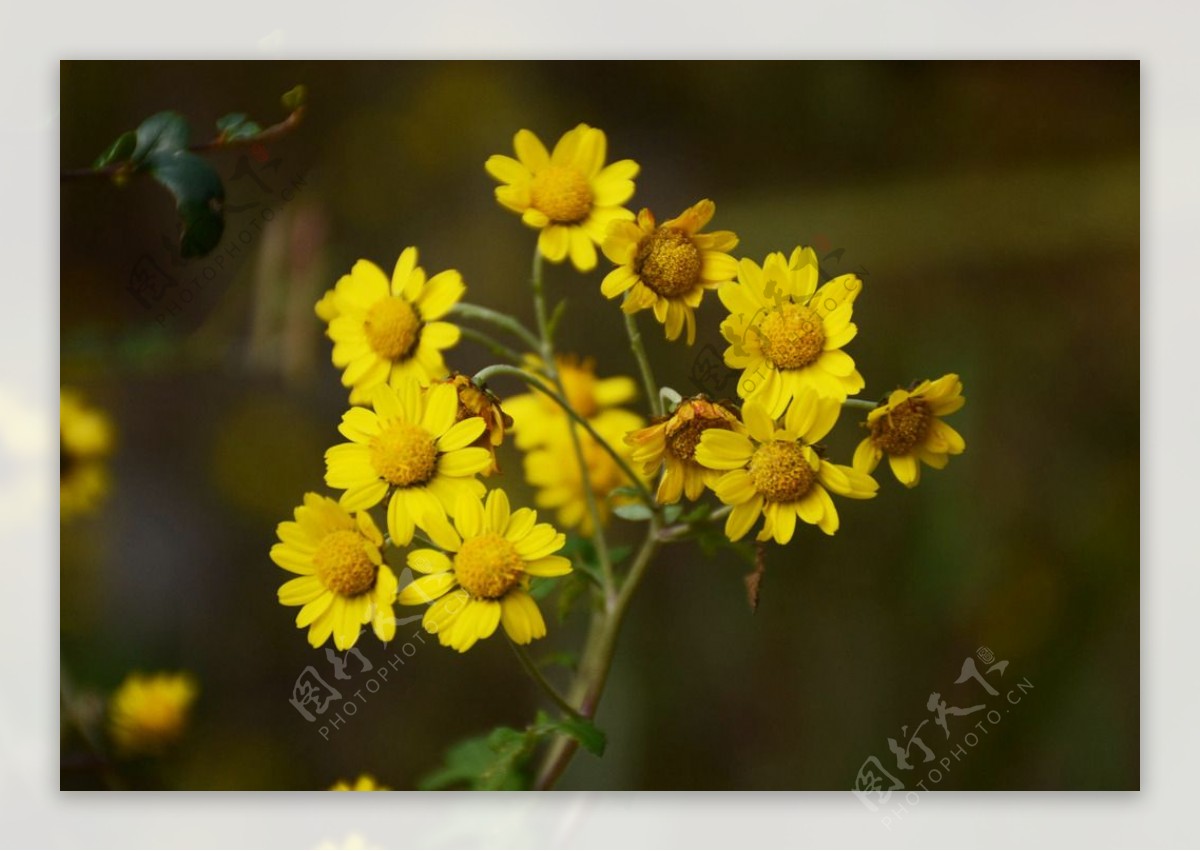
(671, 442)
(85, 440)
(343, 582)
(147, 712)
(668, 267)
(538, 418)
(485, 584)
(775, 472)
(553, 470)
(390, 331)
(475, 401)
(412, 445)
(785, 334)
(570, 195)
(364, 783)
(908, 429)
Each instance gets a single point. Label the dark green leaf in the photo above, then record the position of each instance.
(580, 729)
(540, 587)
(618, 554)
(492, 762)
(633, 511)
(199, 198)
(118, 151)
(237, 126)
(563, 659)
(671, 512)
(572, 585)
(294, 98)
(166, 132)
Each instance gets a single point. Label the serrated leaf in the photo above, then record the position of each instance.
(165, 132)
(294, 98)
(633, 511)
(492, 762)
(119, 151)
(199, 198)
(237, 126)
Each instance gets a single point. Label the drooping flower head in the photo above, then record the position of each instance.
(908, 429)
(538, 418)
(343, 582)
(785, 334)
(390, 330)
(776, 473)
(484, 581)
(668, 267)
(85, 440)
(148, 712)
(476, 401)
(364, 783)
(670, 443)
(413, 446)
(569, 195)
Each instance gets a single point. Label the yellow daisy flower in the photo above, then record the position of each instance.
(553, 470)
(364, 783)
(785, 334)
(670, 443)
(85, 440)
(343, 582)
(776, 473)
(668, 267)
(148, 712)
(326, 307)
(412, 445)
(537, 417)
(475, 401)
(495, 552)
(569, 195)
(908, 429)
(389, 331)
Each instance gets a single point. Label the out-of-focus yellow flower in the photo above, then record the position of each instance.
(342, 582)
(390, 331)
(908, 429)
(326, 307)
(785, 334)
(670, 443)
(85, 440)
(364, 783)
(149, 712)
(668, 267)
(413, 445)
(485, 583)
(775, 472)
(569, 195)
(537, 418)
(475, 401)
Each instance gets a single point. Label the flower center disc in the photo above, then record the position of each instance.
(405, 454)
(683, 441)
(392, 327)
(343, 564)
(780, 471)
(793, 336)
(488, 566)
(906, 425)
(668, 262)
(561, 193)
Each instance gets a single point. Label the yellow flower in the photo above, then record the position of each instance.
(385, 331)
(485, 584)
(668, 267)
(671, 443)
(326, 307)
(552, 468)
(343, 582)
(908, 429)
(148, 712)
(85, 439)
(569, 195)
(537, 418)
(364, 783)
(775, 472)
(475, 401)
(412, 445)
(786, 334)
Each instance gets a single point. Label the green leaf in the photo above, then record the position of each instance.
(294, 98)
(165, 132)
(671, 512)
(562, 658)
(540, 587)
(493, 762)
(633, 511)
(580, 729)
(199, 197)
(572, 585)
(625, 490)
(618, 554)
(237, 126)
(119, 151)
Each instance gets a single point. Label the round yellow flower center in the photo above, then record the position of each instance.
(488, 566)
(392, 328)
(342, 563)
(793, 336)
(562, 193)
(682, 442)
(902, 428)
(668, 262)
(405, 454)
(781, 472)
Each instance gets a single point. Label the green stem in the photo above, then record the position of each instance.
(462, 310)
(648, 383)
(865, 404)
(532, 670)
(494, 346)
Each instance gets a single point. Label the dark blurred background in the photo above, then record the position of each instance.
(992, 211)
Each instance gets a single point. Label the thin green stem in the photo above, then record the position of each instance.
(864, 404)
(540, 679)
(653, 399)
(463, 310)
(494, 346)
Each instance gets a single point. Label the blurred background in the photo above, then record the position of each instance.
(992, 212)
